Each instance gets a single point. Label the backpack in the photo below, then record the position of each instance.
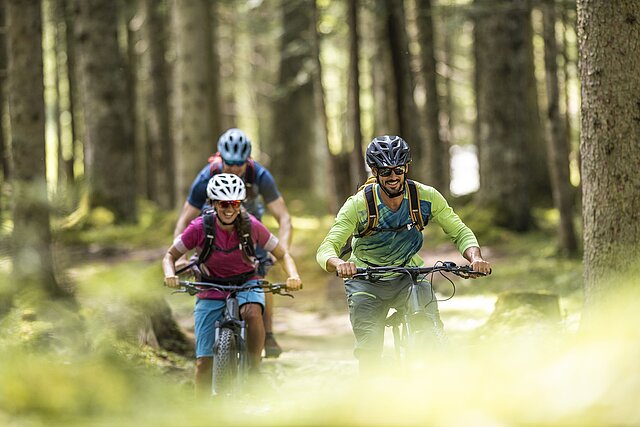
(209, 225)
(215, 167)
(372, 212)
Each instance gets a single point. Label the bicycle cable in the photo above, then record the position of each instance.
(431, 280)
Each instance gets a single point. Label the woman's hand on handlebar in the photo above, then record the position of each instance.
(294, 283)
(172, 282)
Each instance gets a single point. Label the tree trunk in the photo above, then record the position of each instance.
(382, 85)
(5, 170)
(558, 147)
(76, 115)
(332, 180)
(538, 172)
(438, 151)
(358, 171)
(109, 145)
(295, 108)
(157, 107)
(503, 113)
(195, 137)
(608, 34)
(32, 258)
(407, 111)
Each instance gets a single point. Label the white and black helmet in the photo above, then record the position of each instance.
(226, 186)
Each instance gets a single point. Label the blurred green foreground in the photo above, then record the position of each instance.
(84, 366)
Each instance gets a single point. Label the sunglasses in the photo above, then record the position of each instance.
(234, 162)
(398, 170)
(224, 204)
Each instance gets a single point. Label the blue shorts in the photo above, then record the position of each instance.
(208, 311)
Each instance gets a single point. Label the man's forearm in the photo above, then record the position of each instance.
(472, 254)
(285, 231)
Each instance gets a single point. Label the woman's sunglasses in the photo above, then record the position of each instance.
(398, 170)
(224, 204)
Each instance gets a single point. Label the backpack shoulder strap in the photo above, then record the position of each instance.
(250, 172)
(244, 234)
(209, 226)
(372, 211)
(215, 164)
(414, 205)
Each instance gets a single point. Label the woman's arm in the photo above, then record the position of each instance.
(169, 267)
(288, 264)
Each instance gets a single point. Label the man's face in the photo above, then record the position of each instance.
(392, 179)
(234, 168)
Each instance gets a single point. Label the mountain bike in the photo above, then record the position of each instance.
(414, 328)
(230, 353)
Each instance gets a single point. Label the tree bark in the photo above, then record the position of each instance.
(4, 145)
(407, 111)
(438, 151)
(357, 165)
(157, 106)
(32, 258)
(295, 118)
(504, 112)
(558, 146)
(109, 145)
(608, 34)
(334, 196)
(76, 114)
(380, 69)
(195, 129)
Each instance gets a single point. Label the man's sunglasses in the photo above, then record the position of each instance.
(224, 204)
(234, 162)
(398, 170)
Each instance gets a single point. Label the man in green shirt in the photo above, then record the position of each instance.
(394, 241)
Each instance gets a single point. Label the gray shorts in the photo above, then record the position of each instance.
(369, 304)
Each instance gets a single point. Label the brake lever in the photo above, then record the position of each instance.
(282, 291)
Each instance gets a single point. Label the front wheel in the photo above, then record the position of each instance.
(424, 334)
(225, 362)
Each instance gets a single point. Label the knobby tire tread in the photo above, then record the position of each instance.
(225, 362)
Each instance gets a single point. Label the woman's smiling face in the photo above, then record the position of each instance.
(227, 210)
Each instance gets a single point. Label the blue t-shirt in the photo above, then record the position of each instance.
(259, 193)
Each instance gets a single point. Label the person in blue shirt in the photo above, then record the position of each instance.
(234, 156)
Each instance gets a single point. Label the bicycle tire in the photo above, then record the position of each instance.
(225, 363)
(425, 335)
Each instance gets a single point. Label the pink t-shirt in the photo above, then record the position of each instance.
(229, 261)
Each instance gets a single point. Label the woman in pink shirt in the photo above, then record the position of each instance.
(231, 262)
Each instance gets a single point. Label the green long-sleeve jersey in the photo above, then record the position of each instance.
(386, 247)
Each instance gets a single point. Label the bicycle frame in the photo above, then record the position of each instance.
(409, 323)
(232, 348)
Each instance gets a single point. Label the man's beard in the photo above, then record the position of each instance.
(391, 195)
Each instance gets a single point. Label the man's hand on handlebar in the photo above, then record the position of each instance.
(172, 282)
(481, 266)
(345, 269)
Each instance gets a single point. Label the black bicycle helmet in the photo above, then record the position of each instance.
(388, 151)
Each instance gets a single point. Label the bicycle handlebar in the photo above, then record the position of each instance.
(193, 288)
(463, 271)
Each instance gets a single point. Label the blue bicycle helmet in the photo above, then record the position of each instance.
(388, 151)
(234, 146)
